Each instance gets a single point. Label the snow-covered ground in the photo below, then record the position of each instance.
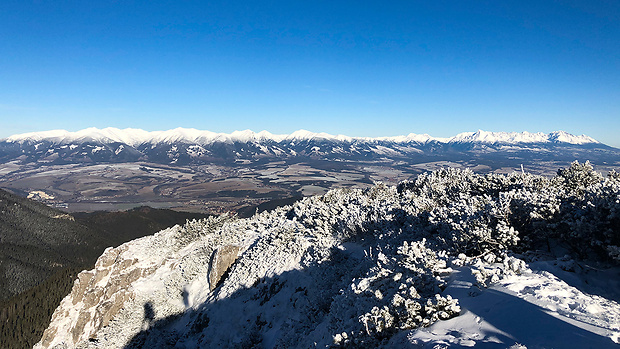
(381, 267)
(531, 309)
(295, 297)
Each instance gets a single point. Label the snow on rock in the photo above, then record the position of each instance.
(565, 137)
(130, 136)
(222, 258)
(126, 278)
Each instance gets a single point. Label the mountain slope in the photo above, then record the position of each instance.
(37, 240)
(387, 266)
(136, 137)
(43, 249)
(190, 146)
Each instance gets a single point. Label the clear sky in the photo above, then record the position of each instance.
(359, 68)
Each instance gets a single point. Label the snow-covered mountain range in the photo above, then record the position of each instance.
(186, 146)
(136, 137)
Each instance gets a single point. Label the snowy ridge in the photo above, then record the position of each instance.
(413, 266)
(185, 146)
(135, 137)
(520, 137)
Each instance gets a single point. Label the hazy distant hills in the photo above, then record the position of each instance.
(190, 146)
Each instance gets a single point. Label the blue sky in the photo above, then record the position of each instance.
(360, 68)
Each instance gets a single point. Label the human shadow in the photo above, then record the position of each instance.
(284, 308)
(149, 313)
(293, 309)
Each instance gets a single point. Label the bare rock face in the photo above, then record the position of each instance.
(136, 284)
(221, 260)
(97, 296)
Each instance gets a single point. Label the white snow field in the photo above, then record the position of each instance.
(435, 263)
(529, 309)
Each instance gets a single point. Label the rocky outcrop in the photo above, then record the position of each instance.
(138, 282)
(221, 260)
(97, 296)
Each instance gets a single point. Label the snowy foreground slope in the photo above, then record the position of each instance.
(452, 259)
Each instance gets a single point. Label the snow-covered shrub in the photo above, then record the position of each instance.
(593, 219)
(487, 272)
(348, 212)
(402, 290)
(613, 176)
(578, 177)
(577, 209)
(447, 184)
(475, 214)
(614, 252)
(534, 213)
(473, 225)
(440, 187)
(195, 228)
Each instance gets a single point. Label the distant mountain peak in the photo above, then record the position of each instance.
(136, 137)
(181, 146)
(481, 136)
(565, 137)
